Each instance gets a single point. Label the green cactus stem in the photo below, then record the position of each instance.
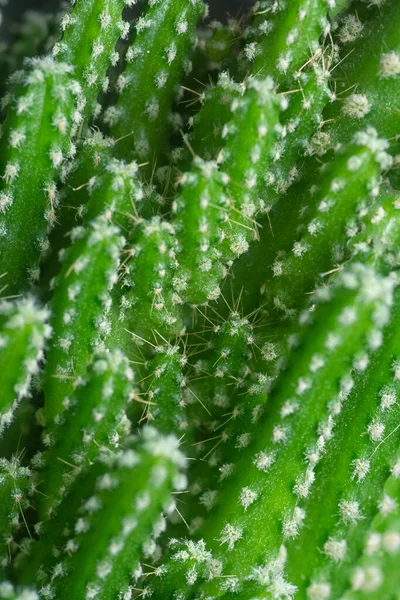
(15, 486)
(38, 123)
(149, 303)
(155, 63)
(208, 124)
(285, 35)
(82, 296)
(9, 592)
(346, 185)
(87, 554)
(86, 427)
(335, 347)
(82, 303)
(162, 390)
(372, 74)
(199, 210)
(90, 34)
(215, 275)
(374, 575)
(24, 331)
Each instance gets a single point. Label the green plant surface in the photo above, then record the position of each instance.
(24, 332)
(282, 506)
(38, 123)
(367, 79)
(148, 301)
(286, 35)
(103, 552)
(82, 294)
(14, 493)
(86, 427)
(82, 291)
(200, 302)
(8, 591)
(155, 63)
(89, 36)
(333, 203)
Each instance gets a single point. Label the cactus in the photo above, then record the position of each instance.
(199, 281)
(88, 275)
(330, 200)
(90, 33)
(99, 425)
(285, 35)
(7, 590)
(155, 63)
(90, 270)
(369, 75)
(33, 36)
(38, 123)
(24, 333)
(14, 489)
(137, 482)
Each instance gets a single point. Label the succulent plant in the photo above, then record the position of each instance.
(200, 303)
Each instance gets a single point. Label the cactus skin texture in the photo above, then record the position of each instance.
(14, 492)
(286, 34)
(149, 83)
(200, 302)
(24, 332)
(37, 124)
(90, 33)
(89, 272)
(101, 424)
(137, 482)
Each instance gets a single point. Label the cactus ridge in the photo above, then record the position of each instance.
(156, 463)
(24, 333)
(38, 123)
(89, 36)
(150, 80)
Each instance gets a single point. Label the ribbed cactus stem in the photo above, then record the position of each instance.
(149, 303)
(375, 574)
(285, 35)
(372, 72)
(199, 210)
(356, 492)
(82, 303)
(82, 295)
(380, 229)
(248, 153)
(9, 592)
(94, 158)
(89, 36)
(88, 554)
(39, 119)
(215, 275)
(155, 63)
(24, 332)
(15, 486)
(93, 420)
(208, 124)
(301, 117)
(274, 458)
(217, 51)
(353, 175)
(117, 192)
(163, 390)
